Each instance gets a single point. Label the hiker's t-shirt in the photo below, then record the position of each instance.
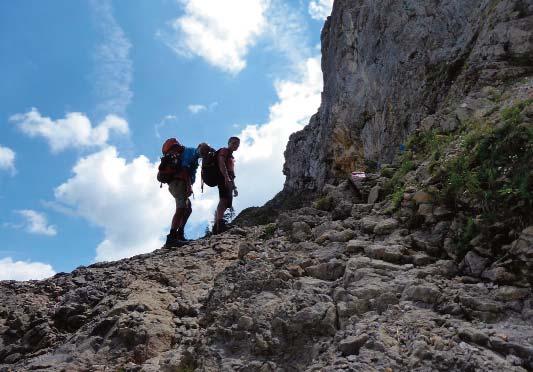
(229, 160)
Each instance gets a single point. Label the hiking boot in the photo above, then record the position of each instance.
(181, 236)
(219, 227)
(172, 241)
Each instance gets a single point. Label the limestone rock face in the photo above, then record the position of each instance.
(390, 66)
(351, 294)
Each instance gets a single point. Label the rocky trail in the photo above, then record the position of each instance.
(426, 264)
(317, 291)
(110, 314)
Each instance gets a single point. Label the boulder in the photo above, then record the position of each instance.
(356, 246)
(442, 213)
(385, 226)
(473, 264)
(422, 197)
(374, 195)
(295, 270)
(341, 211)
(335, 236)
(368, 224)
(244, 249)
(330, 271)
(360, 210)
(389, 253)
(300, 232)
(522, 248)
(508, 293)
(245, 323)
(498, 274)
(425, 209)
(421, 293)
(351, 344)
(318, 319)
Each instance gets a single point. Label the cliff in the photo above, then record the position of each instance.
(389, 64)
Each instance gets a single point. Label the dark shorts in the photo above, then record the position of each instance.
(225, 193)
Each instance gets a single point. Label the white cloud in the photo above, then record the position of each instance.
(114, 69)
(262, 146)
(287, 33)
(74, 131)
(7, 159)
(198, 108)
(123, 198)
(21, 270)
(320, 9)
(259, 160)
(221, 32)
(36, 223)
(195, 109)
(162, 123)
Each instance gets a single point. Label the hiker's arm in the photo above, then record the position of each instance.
(223, 168)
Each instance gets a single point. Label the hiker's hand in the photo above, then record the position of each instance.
(229, 184)
(235, 192)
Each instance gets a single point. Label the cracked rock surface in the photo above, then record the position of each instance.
(352, 283)
(261, 299)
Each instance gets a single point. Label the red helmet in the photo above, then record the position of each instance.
(169, 144)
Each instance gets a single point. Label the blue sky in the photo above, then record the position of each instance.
(90, 90)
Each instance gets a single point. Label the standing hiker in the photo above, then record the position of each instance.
(183, 163)
(226, 184)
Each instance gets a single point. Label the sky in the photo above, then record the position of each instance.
(91, 89)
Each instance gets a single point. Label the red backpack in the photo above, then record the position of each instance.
(170, 164)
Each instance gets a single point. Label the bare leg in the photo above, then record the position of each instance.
(219, 214)
(177, 219)
(186, 214)
(221, 209)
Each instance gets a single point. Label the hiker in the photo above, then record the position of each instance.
(226, 183)
(181, 187)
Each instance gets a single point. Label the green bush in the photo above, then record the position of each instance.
(186, 368)
(269, 230)
(387, 172)
(324, 204)
(428, 144)
(468, 232)
(494, 168)
(371, 166)
(397, 197)
(397, 180)
(511, 115)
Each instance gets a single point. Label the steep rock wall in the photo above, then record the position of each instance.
(389, 64)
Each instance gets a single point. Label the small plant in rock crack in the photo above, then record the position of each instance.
(397, 182)
(397, 197)
(269, 230)
(324, 204)
(465, 235)
(185, 368)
